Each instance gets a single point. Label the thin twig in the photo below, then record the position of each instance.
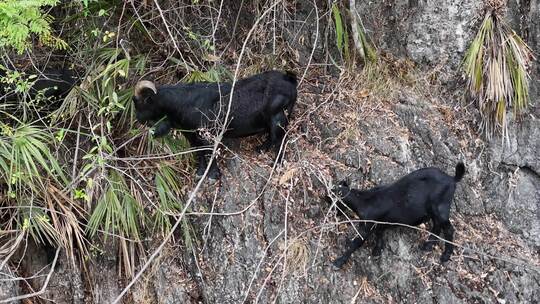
(43, 288)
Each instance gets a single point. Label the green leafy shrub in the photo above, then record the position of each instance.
(19, 20)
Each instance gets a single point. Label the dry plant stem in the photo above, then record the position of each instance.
(74, 169)
(156, 157)
(212, 158)
(119, 26)
(333, 206)
(208, 226)
(268, 278)
(234, 29)
(353, 300)
(12, 278)
(171, 35)
(253, 277)
(285, 250)
(11, 249)
(43, 288)
(314, 43)
(215, 26)
(354, 26)
(200, 274)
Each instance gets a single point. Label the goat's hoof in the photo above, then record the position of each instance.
(214, 175)
(211, 176)
(338, 263)
(427, 246)
(200, 172)
(445, 258)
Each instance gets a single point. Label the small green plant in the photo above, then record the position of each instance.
(212, 75)
(495, 66)
(19, 20)
(19, 81)
(366, 51)
(342, 34)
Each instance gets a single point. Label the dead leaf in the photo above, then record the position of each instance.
(287, 176)
(363, 94)
(211, 58)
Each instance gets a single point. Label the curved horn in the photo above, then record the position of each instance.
(144, 84)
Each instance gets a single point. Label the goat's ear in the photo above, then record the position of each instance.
(146, 93)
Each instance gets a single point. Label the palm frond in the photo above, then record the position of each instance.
(168, 188)
(117, 211)
(495, 66)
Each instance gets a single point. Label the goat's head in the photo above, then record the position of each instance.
(342, 189)
(145, 107)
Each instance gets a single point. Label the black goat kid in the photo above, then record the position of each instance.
(258, 106)
(52, 83)
(418, 197)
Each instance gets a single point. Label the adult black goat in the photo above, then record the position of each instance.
(418, 197)
(258, 106)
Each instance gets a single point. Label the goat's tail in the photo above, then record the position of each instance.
(460, 171)
(292, 77)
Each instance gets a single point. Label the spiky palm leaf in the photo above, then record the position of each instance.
(33, 175)
(496, 70)
(117, 211)
(168, 190)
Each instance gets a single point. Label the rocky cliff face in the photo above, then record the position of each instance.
(431, 33)
(275, 236)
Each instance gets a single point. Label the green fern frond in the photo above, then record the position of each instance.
(19, 20)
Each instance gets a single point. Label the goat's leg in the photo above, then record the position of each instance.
(213, 173)
(432, 239)
(196, 142)
(265, 146)
(277, 133)
(162, 128)
(448, 230)
(379, 242)
(354, 245)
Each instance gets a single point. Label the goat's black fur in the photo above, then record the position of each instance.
(258, 106)
(418, 197)
(52, 83)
